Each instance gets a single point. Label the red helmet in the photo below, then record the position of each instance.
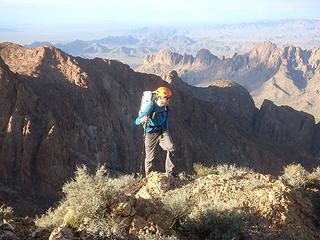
(163, 92)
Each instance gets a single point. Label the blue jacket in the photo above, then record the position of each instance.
(158, 118)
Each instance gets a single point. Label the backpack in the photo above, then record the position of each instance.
(147, 97)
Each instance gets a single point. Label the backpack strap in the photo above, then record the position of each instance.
(153, 110)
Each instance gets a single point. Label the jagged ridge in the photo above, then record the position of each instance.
(286, 75)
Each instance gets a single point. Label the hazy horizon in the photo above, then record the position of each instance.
(34, 20)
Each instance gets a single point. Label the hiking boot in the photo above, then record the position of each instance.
(172, 174)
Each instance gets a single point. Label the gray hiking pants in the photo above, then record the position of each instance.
(165, 142)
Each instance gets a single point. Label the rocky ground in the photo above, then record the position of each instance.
(228, 203)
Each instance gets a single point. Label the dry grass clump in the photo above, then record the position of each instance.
(207, 221)
(178, 204)
(295, 175)
(207, 217)
(150, 236)
(202, 171)
(5, 212)
(226, 171)
(314, 176)
(87, 204)
(230, 171)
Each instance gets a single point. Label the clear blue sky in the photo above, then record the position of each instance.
(30, 20)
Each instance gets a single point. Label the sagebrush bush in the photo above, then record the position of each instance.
(314, 176)
(209, 223)
(150, 236)
(295, 175)
(86, 203)
(201, 170)
(227, 171)
(5, 212)
(177, 203)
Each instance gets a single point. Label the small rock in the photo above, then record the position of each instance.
(29, 221)
(7, 235)
(41, 232)
(157, 184)
(7, 227)
(61, 233)
(137, 224)
(124, 209)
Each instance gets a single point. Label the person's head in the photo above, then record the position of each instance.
(163, 96)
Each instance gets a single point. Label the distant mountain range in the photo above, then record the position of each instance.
(220, 39)
(286, 75)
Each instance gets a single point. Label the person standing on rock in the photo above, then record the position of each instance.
(155, 123)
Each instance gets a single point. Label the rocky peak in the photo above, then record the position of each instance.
(172, 77)
(164, 56)
(315, 59)
(295, 56)
(262, 52)
(187, 59)
(234, 100)
(10, 45)
(205, 57)
(21, 60)
(264, 47)
(225, 84)
(39, 62)
(67, 65)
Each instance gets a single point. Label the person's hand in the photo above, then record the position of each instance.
(144, 120)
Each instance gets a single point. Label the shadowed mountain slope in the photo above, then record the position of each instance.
(59, 111)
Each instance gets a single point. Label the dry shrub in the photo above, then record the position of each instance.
(177, 203)
(295, 175)
(230, 171)
(5, 212)
(150, 236)
(211, 223)
(87, 204)
(314, 176)
(201, 170)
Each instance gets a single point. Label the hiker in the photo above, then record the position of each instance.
(155, 123)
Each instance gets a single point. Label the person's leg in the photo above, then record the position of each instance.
(166, 144)
(151, 140)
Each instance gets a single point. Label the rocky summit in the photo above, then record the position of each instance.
(226, 203)
(59, 112)
(286, 75)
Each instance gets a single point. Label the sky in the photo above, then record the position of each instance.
(24, 21)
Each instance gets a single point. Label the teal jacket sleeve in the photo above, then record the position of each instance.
(144, 113)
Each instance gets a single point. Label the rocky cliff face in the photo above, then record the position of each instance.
(273, 125)
(58, 111)
(232, 99)
(285, 75)
(284, 126)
